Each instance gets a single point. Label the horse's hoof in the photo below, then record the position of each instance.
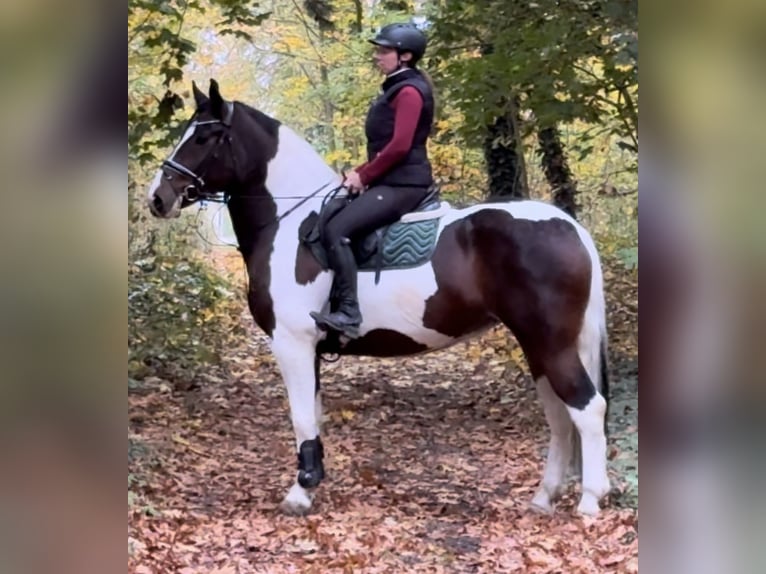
(541, 503)
(588, 506)
(297, 502)
(293, 508)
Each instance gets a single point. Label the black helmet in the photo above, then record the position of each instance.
(403, 37)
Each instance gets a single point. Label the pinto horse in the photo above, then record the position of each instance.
(524, 264)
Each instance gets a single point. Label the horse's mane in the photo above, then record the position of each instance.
(269, 124)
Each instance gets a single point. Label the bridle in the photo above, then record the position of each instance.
(197, 190)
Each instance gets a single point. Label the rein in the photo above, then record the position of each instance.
(225, 198)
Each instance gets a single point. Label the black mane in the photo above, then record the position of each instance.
(269, 124)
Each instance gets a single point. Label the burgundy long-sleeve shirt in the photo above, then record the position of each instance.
(407, 105)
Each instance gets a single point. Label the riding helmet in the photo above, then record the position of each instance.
(403, 37)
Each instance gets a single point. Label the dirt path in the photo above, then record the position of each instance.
(429, 465)
(430, 462)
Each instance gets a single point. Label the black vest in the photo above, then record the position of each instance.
(414, 169)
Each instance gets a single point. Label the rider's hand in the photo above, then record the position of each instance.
(353, 182)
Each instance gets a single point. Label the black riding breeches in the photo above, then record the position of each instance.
(376, 207)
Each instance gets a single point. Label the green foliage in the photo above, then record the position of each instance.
(182, 315)
(566, 61)
(137, 501)
(623, 438)
(161, 42)
(629, 257)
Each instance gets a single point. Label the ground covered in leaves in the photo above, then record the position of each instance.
(430, 463)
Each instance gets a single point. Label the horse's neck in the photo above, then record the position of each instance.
(297, 171)
(251, 217)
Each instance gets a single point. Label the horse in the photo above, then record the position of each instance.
(524, 264)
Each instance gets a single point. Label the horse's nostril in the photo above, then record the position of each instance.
(155, 206)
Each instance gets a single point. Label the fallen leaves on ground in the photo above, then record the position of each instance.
(431, 462)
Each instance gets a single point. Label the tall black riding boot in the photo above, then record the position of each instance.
(347, 318)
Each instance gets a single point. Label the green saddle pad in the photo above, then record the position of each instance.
(404, 245)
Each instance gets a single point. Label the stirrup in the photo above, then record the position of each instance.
(350, 330)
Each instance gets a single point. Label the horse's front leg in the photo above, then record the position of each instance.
(295, 357)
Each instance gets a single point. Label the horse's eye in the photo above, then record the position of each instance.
(201, 139)
(168, 176)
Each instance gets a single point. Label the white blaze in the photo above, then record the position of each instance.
(158, 176)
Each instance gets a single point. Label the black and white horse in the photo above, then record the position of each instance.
(524, 264)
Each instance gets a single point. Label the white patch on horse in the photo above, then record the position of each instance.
(559, 447)
(296, 363)
(157, 181)
(595, 482)
(297, 500)
(296, 171)
(398, 303)
(593, 332)
(155, 185)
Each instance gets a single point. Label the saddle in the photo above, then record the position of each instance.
(407, 243)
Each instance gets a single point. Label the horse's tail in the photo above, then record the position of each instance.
(592, 341)
(604, 360)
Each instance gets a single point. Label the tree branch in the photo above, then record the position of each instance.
(137, 30)
(309, 31)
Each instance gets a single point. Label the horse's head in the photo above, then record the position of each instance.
(203, 163)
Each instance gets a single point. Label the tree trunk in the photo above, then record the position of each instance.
(328, 110)
(554, 164)
(504, 155)
(358, 23)
(328, 106)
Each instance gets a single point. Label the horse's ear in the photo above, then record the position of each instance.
(199, 96)
(216, 100)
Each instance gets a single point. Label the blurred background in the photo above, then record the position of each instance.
(63, 268)
(702, 238)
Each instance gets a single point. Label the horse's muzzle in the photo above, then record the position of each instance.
(164, 205)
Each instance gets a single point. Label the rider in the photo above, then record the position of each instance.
(397, 175)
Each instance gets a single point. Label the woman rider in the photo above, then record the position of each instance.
(397, 174)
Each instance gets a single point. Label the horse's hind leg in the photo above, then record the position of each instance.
(587, 409)
(559, 447)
